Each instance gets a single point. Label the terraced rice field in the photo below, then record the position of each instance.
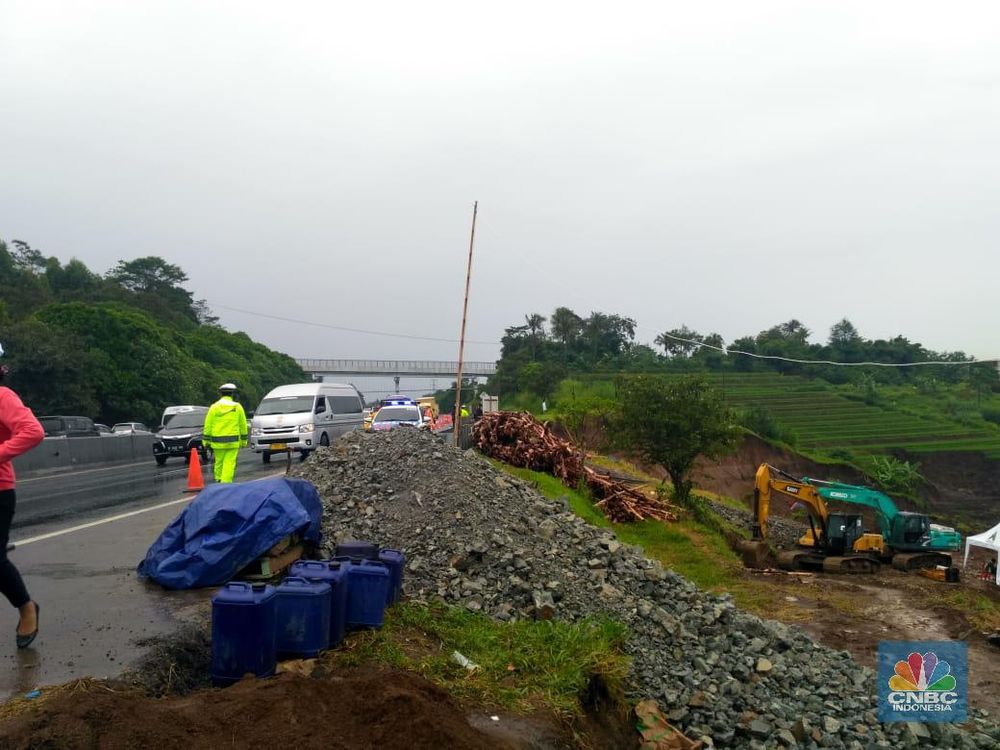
(825, 421)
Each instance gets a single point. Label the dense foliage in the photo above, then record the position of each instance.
(121, 346)
(535, 358)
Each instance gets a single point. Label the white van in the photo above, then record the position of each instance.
(303, 416)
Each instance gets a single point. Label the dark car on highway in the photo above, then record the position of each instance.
(184, 432)
(68, 426)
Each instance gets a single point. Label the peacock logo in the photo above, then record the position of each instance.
(923, 672)
(923, 681)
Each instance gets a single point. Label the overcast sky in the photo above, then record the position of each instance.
(724, 165)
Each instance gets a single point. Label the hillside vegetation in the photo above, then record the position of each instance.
(827, 412)
(121, 346)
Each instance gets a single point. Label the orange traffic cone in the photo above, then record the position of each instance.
(195, 481)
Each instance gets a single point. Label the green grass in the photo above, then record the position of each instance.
(522, 666)
(982, 611)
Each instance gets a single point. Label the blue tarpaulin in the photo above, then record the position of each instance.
(227, 527)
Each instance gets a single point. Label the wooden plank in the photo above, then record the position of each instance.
(271, 566)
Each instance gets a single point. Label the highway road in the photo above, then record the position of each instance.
(62, 496)
(80, 567)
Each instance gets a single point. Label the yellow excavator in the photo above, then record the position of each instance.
(833, 543)
(838, 542)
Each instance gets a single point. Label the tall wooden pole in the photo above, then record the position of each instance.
(461, 339)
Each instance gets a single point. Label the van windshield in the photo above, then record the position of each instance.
(285, 405)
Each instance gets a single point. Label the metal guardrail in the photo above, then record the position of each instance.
(436, 368)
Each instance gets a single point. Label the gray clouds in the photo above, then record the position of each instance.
(723, 165)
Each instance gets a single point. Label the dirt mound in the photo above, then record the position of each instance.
(358, 709)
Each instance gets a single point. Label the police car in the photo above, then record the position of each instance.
(398, 412)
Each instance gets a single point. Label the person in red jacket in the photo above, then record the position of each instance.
(19, 433)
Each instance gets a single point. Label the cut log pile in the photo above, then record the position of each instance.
(517, 438)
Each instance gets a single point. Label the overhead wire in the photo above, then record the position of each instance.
(348, 329)
(755, 355)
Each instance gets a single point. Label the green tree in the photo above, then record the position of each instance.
(673, 346)
(148, 274)
(535, 324)
(541, 377)
(672, 422)
(157, 286)
(566, 325)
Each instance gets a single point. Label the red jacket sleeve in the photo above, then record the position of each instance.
(25, 431)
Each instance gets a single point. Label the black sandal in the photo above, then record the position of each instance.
(23, 641)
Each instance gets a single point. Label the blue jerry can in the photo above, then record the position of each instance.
(368, 584)
(334, 573)
(354, 548)
(302, 618)
(396, 561)
(243, 632)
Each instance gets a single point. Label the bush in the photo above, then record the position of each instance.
(991, 414)
(759, 420)
(842, 454)
(895, 475)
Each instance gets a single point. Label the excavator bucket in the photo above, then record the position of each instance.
(754, 553)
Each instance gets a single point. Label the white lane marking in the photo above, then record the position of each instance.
(31, 540)
(71, 473)
(118, 517)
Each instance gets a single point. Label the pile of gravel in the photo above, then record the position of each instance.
(479, 539)
(782, 533)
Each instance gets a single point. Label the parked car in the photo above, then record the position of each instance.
(184, 432)
(304, 416)
(68, 426)
(102, 428)
(129, 428)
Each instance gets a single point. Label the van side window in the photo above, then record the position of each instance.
(320, 404)
(346, 404)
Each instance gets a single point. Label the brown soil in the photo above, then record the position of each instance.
(962, 485)
(888, 607)
(358, 709)
(733, 474)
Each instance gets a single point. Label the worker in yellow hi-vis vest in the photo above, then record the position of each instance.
(226, 432)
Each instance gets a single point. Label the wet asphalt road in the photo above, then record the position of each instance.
(93, 608)
(62, 496)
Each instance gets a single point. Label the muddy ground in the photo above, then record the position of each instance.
(357, 708)
(892, 606)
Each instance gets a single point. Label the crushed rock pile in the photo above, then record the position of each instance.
(479, 539)
(781, 532)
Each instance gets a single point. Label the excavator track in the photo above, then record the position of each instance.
(800, 560)
(853, 564)
(919, 560)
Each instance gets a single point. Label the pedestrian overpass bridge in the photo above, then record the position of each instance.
(395, 368)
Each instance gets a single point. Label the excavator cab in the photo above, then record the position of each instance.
(910, 531)
(842, 531)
